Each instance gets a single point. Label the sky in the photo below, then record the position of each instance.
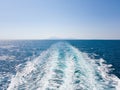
(59, 19)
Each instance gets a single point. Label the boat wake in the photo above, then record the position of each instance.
(64, 67)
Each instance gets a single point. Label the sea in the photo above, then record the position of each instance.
(60, 65)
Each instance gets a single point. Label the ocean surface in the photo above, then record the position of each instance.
(60, 65)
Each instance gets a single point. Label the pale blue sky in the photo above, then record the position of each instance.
(71, 19)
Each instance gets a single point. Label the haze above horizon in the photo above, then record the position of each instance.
(60, 19)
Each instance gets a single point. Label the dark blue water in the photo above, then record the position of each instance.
(16, 53)
(109, 50)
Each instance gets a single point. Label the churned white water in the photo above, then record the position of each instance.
(64, 67)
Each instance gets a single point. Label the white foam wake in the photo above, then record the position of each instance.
(63, 67)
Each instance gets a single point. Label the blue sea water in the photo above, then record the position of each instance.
(60, 65)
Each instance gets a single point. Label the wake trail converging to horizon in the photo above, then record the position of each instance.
(64, 67)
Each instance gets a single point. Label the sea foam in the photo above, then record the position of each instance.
(64, 67)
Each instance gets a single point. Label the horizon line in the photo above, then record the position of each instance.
(56, 39)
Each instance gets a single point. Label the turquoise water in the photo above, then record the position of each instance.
(60, 65)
